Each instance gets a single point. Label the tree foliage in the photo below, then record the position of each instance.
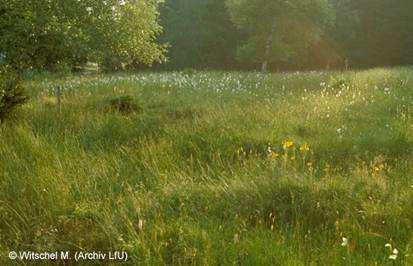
(384, 31)
(303, 34)
(44, 33)
(217, 34)
(278, 30)
(200, 34)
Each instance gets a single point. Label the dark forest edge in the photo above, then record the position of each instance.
(335, 34)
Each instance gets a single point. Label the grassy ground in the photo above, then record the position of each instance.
(214, 168)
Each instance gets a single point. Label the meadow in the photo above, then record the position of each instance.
(213, 168)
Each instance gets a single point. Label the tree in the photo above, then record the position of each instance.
(278, 30)
(386, 30)
(374, 32)
(200, 34)
(45, 33)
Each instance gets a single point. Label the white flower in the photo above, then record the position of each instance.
(388, 245)
(393, 257)
(345, 242)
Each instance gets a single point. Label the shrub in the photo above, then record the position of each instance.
(124, 104)
(11, 92)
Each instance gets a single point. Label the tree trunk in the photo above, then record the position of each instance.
(267, 50)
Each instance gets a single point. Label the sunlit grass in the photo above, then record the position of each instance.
(214, 168)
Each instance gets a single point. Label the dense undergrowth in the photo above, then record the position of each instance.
(214, 168)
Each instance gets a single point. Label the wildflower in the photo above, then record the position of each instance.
(345, 242)
(287, 144)
(272, 155)
(394, 255)
(304, 148)
(379, 167)
(388, 245)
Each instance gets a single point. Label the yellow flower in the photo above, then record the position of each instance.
(379, 167)
(287, 144)
(273, 155)
(304, 148)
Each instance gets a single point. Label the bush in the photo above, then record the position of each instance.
(11, 92)
(124, 104)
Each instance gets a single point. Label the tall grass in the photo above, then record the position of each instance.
(214, 168)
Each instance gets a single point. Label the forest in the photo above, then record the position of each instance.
(332, 34)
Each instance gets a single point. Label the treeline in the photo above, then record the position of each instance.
(206, 34)
(279, 35)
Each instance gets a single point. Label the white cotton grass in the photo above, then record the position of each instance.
(395, 252)
(393, 257)
(345, 242)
